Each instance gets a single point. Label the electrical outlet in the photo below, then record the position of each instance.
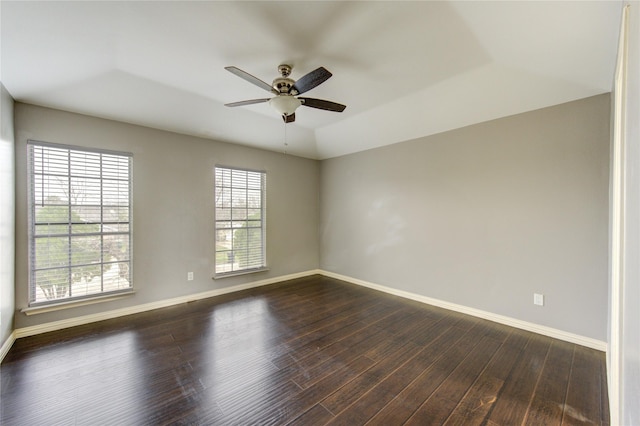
(538, 299)
(189, 276)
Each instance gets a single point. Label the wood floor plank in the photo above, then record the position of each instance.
(477, 402)
(547, 404)
(256, 398)
(583, 402)
(308, 351)
(475, 405)
(324, 362)
(318, 415)
(456, 385)
(394, 386)
(436, 413)
(521, 383)
(415, 380)
(352, 391)
(312, 342)
(307, 398)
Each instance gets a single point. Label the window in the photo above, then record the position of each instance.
(240, 221)
(79, 223)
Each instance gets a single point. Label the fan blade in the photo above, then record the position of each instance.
(311, 80)
(251, 79)
(322, 104)
(289, 118)
(249, 102)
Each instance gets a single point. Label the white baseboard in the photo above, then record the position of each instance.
(4, 349)
(87, 319)
(512, 322)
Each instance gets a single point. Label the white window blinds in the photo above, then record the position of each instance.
(79, 222)
(239, 221)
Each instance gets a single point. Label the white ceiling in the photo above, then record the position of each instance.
(404, 69)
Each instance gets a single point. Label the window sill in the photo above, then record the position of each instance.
(34, 310)
(236, 273)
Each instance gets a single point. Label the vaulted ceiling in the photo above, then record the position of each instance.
(404, 69)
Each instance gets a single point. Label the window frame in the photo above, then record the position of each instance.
(218, 221)
(89, 296)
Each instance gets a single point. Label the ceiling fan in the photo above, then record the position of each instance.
(287, 90)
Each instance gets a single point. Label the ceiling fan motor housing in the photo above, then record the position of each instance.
(283, 84)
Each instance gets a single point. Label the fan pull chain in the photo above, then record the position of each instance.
(285, 138)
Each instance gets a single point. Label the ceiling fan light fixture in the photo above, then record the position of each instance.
(285, 104)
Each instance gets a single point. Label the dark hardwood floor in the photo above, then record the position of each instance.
(310, 351)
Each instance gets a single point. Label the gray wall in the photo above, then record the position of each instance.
(173, 206)
(483, 216)
(7, 218)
